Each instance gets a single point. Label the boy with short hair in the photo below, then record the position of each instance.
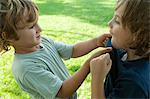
(129, 75)
(38, 67)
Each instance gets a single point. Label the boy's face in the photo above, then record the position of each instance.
(28, 33)
(29, 37)
(121, 36)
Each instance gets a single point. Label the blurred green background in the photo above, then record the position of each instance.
(68, 21)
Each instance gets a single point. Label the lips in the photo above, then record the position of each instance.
(38, 36)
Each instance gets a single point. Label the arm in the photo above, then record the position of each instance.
(97, 87)
(99, 68)
(70, 85)
(85, 47)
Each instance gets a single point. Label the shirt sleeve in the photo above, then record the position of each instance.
(43, 82)
(126, 88)
(64, 50)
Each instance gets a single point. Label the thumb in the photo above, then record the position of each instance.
(105, 50)
(108, 61)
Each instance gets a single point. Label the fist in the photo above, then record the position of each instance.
(100, 66)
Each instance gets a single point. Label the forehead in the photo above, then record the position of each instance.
(29, 17)
(120, 7)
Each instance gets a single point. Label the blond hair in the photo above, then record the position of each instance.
(13, 12)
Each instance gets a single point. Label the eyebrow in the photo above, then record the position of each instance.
(117, 16)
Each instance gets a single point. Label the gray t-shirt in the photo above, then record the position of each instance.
(41, 73)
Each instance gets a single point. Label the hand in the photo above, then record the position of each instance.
(102, 51)
(100, 66)
(101, 40)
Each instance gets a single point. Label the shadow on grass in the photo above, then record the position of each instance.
(97, 12)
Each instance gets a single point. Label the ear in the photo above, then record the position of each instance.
(134, 37)
(11, 41)
(3, 35)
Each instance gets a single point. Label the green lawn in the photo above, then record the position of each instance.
(68, 21)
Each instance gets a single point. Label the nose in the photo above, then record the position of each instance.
(38, 28)
(110, 23)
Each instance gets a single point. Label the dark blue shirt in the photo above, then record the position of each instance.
(127, 79)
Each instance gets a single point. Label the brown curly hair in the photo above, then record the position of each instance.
(137, 18)
(13, 12)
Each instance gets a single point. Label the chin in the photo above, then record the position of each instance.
(39, 40)
(117, 46)
(114, 44)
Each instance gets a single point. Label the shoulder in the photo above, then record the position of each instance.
(128, 85)
(135, 82)
(138, 71)
(21, 67)
(47, 40)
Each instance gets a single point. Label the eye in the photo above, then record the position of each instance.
(116, 19)
(31, 27)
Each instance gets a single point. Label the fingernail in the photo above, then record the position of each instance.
(109, 48)
(106, 54)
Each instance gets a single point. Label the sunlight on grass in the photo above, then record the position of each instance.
(9, 89)
(68, 29)
(40, 1)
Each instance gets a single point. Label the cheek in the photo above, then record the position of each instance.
(115, 42)
(118, 39)
(120, 36)
(27, 37)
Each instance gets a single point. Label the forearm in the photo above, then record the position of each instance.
(84, 47)
(99, 68)
(97, 87)
(73, 83)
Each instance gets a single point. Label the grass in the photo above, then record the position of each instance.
(68, 21)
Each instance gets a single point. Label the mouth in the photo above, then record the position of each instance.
(38, 37)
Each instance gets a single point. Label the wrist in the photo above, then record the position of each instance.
(86, 66)
(98, 78)
(97, 89)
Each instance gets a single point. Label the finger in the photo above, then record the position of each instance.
(101, 51)
(105, 42)
(107, 35)
(101, 39)
(110, 63)
(97, 58)
(105, 50)
(102, 56)
(106, 58)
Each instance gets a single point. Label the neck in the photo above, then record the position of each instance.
(26, 50)
(131, 55)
